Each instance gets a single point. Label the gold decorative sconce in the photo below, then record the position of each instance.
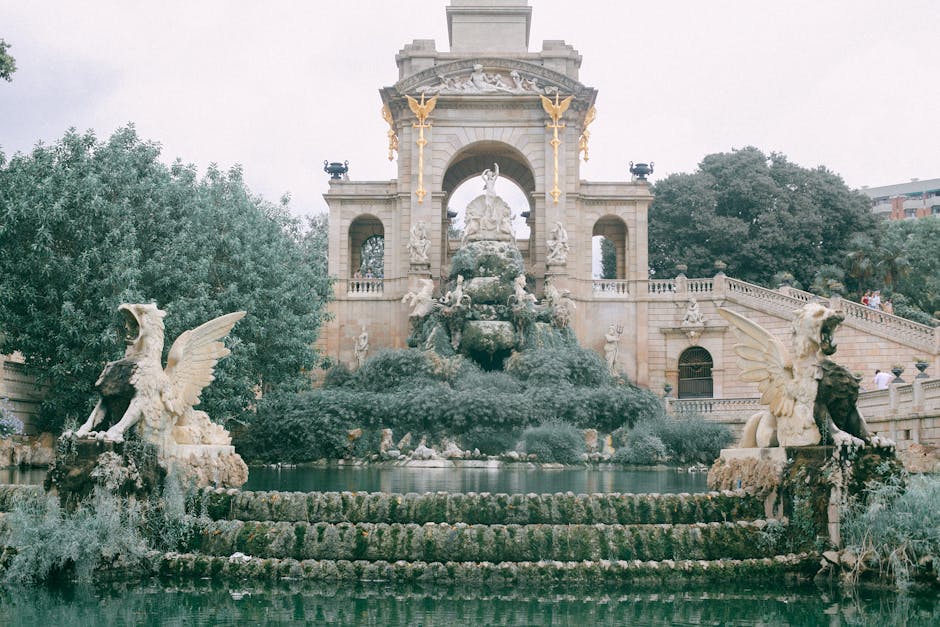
(555, 111)
(421, 110)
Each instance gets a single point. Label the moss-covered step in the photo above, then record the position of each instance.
(460, 542)
(483, 508)
(606, 573)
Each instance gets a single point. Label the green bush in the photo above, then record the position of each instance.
(550, 366)
(392, 369)
(553, 441)
(337, 376)
(643, 448)
(692, 439)
(896, 527)
(489, 440)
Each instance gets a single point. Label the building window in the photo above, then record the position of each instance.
(695, 373)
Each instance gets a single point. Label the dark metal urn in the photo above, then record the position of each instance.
(921, 366)
(896, 371)
(641, 170)
(335, 169)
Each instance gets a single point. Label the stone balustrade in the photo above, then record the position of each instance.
(365, 287)
(611, 287)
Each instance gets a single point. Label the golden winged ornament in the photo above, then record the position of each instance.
(138, 391)
(810, 399)
(555, 110)
(421, 109)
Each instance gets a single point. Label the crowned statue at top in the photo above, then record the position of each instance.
(488, 215)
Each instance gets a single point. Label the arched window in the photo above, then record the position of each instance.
(609, 248)
(695, 373)
(366, 255)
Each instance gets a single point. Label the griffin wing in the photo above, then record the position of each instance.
(763, 360)
(547, 105)
(191, 361)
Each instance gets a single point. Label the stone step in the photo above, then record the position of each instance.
(607, 573)
(460, 542)
(482, 508)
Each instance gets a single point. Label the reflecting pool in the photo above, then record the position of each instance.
(512, 479)
(375, 603)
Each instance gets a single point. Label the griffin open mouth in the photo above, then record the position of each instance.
(131, 325)
(826, 344)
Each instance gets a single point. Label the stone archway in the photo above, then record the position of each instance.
(469, 163)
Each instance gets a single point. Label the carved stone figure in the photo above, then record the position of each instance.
(612, 346)
(693, 315)
(481, 82)
(456, 297)
(419, 245)
(810, 399)
(361, 347)
(421, 302)
(558, 245)
(138, 392)
(561, 306)
(489, 185)
(521, 297)
(488, 217)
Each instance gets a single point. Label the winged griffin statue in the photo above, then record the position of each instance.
(137, 391)
(810, 399)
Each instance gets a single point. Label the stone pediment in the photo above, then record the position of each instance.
(493, 77)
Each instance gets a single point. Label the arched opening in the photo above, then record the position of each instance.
(609, 249)
(695, 373)
(461, 183)
(366, 255)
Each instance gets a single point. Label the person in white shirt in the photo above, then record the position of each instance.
(882, 380)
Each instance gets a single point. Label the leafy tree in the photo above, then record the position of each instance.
(902, 258)
(608, 259)
(758, 214)
(373, 255)
(86, 225)
(7, 62)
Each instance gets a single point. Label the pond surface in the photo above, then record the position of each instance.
(508, 480)
(296, 603)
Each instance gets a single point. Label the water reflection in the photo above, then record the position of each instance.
(22, 476)
(512, 480)
(290, 603)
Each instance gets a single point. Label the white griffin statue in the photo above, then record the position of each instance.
(810, 399)
(159, 401)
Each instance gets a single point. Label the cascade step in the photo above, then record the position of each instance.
(460, 542)
(606, 573)
(483, 508)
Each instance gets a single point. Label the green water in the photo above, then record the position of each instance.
(295, 603)
(507, 480)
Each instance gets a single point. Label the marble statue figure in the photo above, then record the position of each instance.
(806, 394)
(421, 302)
(558, 245)
(693, 315)
(612, 346)
(361, 347)
(419, 245)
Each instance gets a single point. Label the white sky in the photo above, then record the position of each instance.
(281, 86)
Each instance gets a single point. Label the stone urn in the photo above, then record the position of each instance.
(896, 371)
(921, 367)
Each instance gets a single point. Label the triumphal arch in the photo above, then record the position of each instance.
(488, 107)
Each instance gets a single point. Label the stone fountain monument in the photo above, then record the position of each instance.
(486, 310)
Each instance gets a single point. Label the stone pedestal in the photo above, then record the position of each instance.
(808, 485)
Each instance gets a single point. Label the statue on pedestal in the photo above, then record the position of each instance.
(557, 245)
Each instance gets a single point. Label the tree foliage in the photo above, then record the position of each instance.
(608, 259)
(758, 214)
(86, 225)
(903, 258)
(7, 62)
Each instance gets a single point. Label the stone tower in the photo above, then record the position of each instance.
(490, 102)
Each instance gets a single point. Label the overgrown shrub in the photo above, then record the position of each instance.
(489, 440)
(683, 440)
(549, 366)
(391, 369)
(896, 527)
(557, 442)
(643, 448)
(691, 438)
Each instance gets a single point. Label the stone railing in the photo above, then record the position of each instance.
(733, 412)
(916, 333)
(772, 297)
(610, 287)
(907, 412)
(364, 287)
(661, 286)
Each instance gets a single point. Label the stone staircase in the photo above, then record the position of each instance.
(486, 539)
(598, 539)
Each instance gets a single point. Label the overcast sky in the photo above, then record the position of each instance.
(280, 86)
